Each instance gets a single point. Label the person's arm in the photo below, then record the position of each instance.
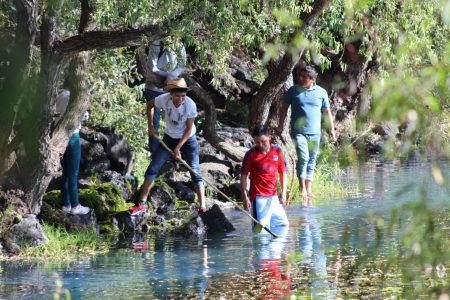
(327, 111)
(282, 117)
(181, 64)
(143, 67)
(150, 111)
(152, 60)
(283, 178)
(184, 137)
(245, 199)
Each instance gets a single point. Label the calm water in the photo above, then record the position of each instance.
(238, 265)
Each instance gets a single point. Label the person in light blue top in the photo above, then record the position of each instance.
(308, 102)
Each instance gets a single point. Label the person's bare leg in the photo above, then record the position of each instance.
(309, 192)
(145, 189)
(303, 191)
(200, 191)
(309, 189)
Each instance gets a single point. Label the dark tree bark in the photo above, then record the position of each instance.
(209, 130)
(348, 102)
(207, 102)
(96, 40)
(37, 159)
(278, 75)
(16, 79)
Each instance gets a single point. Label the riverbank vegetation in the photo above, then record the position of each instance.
(385, 63)
(67, 246)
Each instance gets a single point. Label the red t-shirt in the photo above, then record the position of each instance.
(263, 169)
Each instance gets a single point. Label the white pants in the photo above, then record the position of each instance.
(269, 212)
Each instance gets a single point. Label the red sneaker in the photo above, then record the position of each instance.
(139, 208)
(201, 211)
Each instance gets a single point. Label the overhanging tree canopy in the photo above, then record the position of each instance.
(352, 39)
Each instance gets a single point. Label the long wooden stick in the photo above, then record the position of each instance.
(291, 188)
(217, 190)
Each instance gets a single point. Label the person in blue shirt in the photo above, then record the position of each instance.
(308, 102)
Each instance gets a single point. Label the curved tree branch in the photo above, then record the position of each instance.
(209, 131)
(278, 76)
(95, 40)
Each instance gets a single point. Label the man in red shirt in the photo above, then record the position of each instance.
(264, 162)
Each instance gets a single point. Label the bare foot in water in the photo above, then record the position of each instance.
(304, 198)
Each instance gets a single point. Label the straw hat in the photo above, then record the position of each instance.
(178, 83)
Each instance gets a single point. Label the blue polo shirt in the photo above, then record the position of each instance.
(306, 108)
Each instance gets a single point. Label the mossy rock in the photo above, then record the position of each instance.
(181, 205)
(53, 198)
(105, 199)
(108, 228)
(52, 215)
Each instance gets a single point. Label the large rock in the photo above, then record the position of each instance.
(88, 220)
(119, 181)
(104, 199)
(94, 159)
(240, 137)
(55, 216)
(120, 153)
(215, 220)
(29, 232)
(116, 147)
(216, 173)
(162, 199)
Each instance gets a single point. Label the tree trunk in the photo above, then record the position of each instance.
(348, 102)
(270, 88)
(209, 131)
(13, 87)
(38, 157)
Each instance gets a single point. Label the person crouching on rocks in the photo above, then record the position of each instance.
(179, 135)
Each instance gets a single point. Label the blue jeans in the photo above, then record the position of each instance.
(70, 167)
(189, 152)
(307, 146)
(151, 95)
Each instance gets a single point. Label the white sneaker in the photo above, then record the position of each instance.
(79, 210)
(66, 209)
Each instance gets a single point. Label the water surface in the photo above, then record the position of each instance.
(238, 264)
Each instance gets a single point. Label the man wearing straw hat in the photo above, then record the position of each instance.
(179, 135)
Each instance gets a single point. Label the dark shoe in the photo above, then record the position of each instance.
(201, 211)
(139, 208)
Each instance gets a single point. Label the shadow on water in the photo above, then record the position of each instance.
(307, 257)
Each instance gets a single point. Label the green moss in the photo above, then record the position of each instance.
(66, 246)
(7, 219)
(181, 205)
(104, 199)
(53, 198)
(153, 228)
(129, 187)
(108, 228)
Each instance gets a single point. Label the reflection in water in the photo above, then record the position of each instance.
(237, 265)
(275, 278)
(314, 260)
